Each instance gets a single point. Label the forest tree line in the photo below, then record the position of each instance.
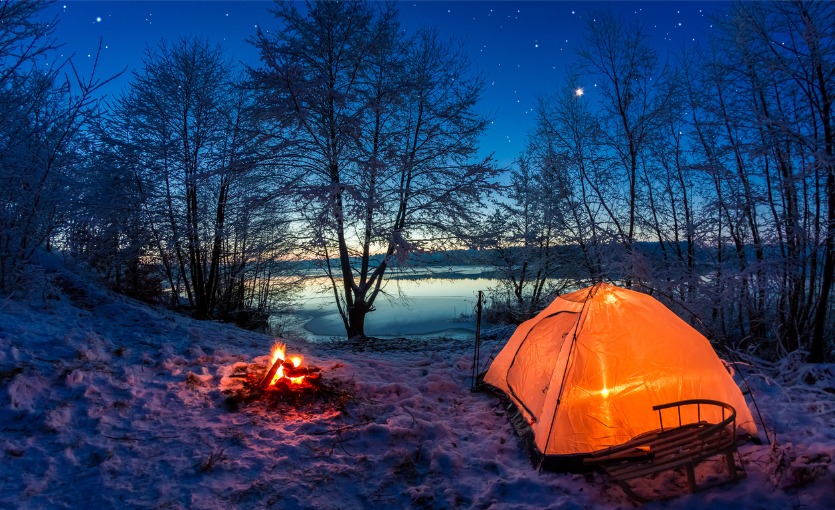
(706, 176)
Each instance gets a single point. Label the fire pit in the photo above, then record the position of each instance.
(288, 374)
(285, 383)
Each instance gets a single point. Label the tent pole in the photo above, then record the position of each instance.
(477, 347)
(580, 322)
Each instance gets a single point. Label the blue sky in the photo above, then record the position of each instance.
(523, 48)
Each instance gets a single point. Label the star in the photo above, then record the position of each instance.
(578, 91)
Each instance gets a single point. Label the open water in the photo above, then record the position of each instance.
(412, 307)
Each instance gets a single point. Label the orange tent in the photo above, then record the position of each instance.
(586, 371)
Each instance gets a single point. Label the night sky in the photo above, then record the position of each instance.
(523, 48)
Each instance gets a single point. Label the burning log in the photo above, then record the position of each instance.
(267, 381)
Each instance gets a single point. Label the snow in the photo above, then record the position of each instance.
(108, 402)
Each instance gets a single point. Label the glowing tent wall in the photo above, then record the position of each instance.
(586, 371)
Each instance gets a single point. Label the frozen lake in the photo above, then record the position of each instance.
(412, 307)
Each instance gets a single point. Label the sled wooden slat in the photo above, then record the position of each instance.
(684, 445)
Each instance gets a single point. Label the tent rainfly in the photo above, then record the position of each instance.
(586, 371)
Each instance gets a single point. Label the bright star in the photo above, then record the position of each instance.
(578, 92)
(98, 19)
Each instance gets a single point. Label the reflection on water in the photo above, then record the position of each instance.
(411, 307)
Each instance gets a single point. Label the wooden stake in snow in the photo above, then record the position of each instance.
(477, 350)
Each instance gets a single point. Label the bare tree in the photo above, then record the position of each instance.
(789, 51)
(43, 109)
(725, 164)
(531, 247)
(569, 132)
(107, 228)
(186, 133)
(621, 56)
(384, 133)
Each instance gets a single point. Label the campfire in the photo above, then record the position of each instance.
(283, 382)
(287, 374)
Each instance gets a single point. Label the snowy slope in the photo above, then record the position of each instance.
(109, 403)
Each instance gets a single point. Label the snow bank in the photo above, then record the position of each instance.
(107, 402)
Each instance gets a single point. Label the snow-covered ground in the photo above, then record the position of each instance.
(107, 403)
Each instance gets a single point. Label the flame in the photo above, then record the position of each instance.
(279, 350)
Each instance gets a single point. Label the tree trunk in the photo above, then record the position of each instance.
(817, 348)
(356, 319)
